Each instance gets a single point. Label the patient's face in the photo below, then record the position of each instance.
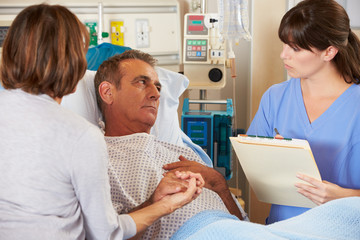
(136, 102)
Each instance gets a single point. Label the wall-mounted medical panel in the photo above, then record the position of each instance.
(150, 26)
(204, 52)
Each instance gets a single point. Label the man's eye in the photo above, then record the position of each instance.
(159, 89)
(142, 81)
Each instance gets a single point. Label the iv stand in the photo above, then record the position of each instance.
(203, 91)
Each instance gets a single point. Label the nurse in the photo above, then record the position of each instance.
(320, 103)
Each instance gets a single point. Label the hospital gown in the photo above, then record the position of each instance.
(135, 170)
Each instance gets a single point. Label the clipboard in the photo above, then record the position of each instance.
(270, 165)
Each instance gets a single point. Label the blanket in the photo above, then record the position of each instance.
(338, 219)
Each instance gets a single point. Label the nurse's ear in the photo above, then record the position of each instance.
(330, 53)
(106, 92)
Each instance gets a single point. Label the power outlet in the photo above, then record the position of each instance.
(117, 32)
(217, 54)
(142, 33)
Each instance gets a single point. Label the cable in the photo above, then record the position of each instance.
(231, 56)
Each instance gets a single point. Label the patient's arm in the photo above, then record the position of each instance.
(174, 191)
(213, 181)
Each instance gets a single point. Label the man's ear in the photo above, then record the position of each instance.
(105, 91)
(330, 53)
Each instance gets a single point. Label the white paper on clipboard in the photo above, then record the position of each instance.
(271, 165)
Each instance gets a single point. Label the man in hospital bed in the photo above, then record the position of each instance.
(128, 92)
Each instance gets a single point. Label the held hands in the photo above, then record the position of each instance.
(213, 179)
(178, 188)
(321, 192)
(174, 191)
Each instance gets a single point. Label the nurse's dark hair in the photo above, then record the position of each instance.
(110, 70)
(319, 24)
(44, 51)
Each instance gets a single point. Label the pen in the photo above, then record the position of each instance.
(278, 136)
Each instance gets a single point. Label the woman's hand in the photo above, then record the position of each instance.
(321, 192)
(176, 182)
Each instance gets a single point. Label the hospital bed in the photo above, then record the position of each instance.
(339, 219)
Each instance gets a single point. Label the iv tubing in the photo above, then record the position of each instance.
(231, 56)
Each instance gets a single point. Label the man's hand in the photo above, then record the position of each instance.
(321, 192)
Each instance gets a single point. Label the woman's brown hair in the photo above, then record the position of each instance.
(320, 24)
(44, 51)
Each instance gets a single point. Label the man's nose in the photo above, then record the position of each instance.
(154, 92)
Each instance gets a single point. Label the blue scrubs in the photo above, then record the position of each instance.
(334, 137)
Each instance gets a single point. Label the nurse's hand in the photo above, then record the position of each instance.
(321, 192)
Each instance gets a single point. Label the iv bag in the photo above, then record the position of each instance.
(234, 20)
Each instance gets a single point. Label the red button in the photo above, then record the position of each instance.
(196, 17)
(196, 28)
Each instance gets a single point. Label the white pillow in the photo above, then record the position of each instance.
(83, 100)
(166, 127)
